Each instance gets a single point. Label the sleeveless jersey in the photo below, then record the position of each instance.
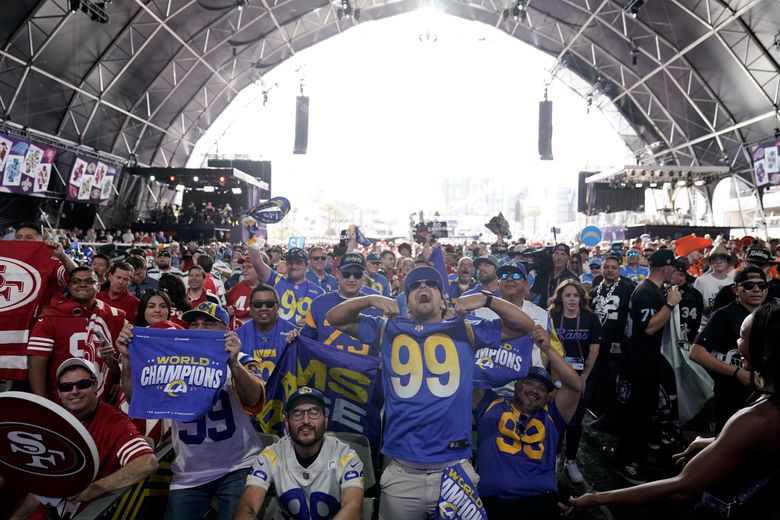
(427, 381)
(221, 441)
(312, 492)
(516, 454)
(265, 348)
(294, 299)
(319, 329)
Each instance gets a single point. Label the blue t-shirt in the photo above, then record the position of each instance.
(516, 454)
(318, 328)
(294, 299)
(327, 284)
(379, 283)
(265, 348)
(427, 381)
(635, 275)
(455, 290)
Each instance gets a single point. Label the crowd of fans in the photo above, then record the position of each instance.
(591, 325)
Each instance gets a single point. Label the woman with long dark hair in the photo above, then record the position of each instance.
(156, 310)
(174, 286)
(579, 331)
(737, 472)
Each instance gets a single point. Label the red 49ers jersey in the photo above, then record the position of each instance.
(238, 297)
(68, 329)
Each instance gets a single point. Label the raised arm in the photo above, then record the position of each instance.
(134, 471)
(514, 322)
(344, 315)
(250, 389)
(263, 270)
(568, 396)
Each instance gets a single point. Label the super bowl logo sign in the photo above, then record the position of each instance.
(19, 284)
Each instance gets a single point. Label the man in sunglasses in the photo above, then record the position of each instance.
(716, 347)
(163, 265)
(351, 271)
(73, 326)
(124, 456)
(632, 270)
(316, 273)
(264, 336)
(427, 381)
(295, 291)
(315, 476)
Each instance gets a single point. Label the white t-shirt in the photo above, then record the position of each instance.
(709, 286)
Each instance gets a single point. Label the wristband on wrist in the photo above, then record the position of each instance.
(489, 300)
(735, 372)
(669, 305)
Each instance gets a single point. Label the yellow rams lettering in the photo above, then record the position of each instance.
(456, 492)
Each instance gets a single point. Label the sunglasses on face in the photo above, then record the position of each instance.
(357, 275)
(268, 304)
(749, 286)
(317, 258)
(431, 284)
(375, 263)
(81, 384)
(513, 276)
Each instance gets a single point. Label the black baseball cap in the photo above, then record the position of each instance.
(304, 392)
(744, 274)
(662, 258)
(296, 253)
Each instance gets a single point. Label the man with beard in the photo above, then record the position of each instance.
(295, 291)
(427, 381)
(486, 276)
(164, 264)
(545, 283)
(464, 278)
(716, 347)
(264, 336)
(73, 326)
(315, 476)
(352, 267)
(609, 299)
(517, 439)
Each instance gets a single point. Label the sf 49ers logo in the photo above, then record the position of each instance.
(19, 284)
(38, 450)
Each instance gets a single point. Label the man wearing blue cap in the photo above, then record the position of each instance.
(518, 439)
(631, 269)
(295, 291)
(427, 381)
(594, 270)
(315, 475)
(351, 271)
(376, 280)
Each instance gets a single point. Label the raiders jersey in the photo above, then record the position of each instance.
(311, 492)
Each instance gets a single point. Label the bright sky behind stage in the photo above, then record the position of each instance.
(399, 105)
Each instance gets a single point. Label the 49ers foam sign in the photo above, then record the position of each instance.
(43, 448)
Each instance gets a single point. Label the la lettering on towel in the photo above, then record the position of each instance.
(25, 270)
(347, 380)
(177, 374)
(458, 498)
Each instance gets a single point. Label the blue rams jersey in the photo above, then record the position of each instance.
(266, 348)
(294, 299)
(327, 284)
(379, 283)
(427, 381)
(516, 454)
(454, 288)
(318, 328)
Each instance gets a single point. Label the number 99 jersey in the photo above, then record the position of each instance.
(312, 492)
(427, 373)
(294, 299)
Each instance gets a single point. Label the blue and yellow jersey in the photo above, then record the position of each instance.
(265, 348)
(635, 275)
(516, 453)
(427, 381)
(327, 284)
(317, 327)
(294, 299)
(379, 283)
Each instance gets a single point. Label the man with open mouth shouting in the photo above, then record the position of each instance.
(427, 380)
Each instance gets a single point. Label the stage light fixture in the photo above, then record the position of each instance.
(222, 180)
(152, 178)
(519, 10)
(208, 189)
(195, 178)
(180, 187)
(634, 6)
(653, 184)
(236, 191)
(638, 185)
(345, 11)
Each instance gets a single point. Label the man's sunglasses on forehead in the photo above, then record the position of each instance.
(431, 284)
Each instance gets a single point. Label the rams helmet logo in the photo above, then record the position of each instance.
(176, 387)
(484, 363)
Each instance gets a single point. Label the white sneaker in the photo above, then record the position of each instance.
(574, 472)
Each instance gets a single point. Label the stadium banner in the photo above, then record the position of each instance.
(348, 381)
(25, 167)
(766, 166)
(91, 181)
(177, 374)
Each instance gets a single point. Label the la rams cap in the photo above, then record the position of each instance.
(541, 375)
(423, 273)
(210, 309)
(304, 392)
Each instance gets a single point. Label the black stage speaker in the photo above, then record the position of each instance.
(301, 124)
(545, 130)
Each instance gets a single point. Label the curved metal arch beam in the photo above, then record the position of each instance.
(711, 30)
(114, 44)
(182, 81)
(636, 105)
(652, 58)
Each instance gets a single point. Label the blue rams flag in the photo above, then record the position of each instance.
(458, 497)
(271, 211)
(348, 381)
(495, 366)
(360, 238)
(177, 374)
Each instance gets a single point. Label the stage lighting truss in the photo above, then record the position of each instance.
(96, 10)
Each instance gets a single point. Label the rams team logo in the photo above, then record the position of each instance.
(19, 284)
(484, 363)
(447, 510)
(174, 388)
